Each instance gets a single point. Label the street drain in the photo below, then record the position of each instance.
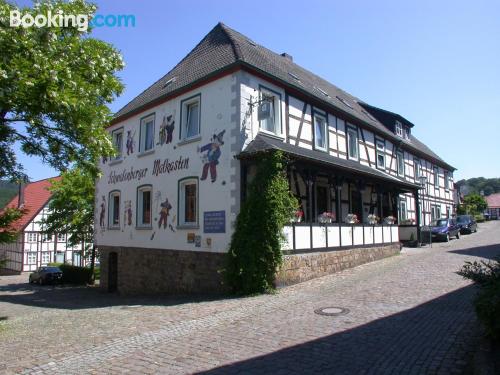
(332, 311)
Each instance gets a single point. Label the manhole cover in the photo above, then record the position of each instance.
(331, 311)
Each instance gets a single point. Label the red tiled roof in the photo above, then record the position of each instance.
(36, 196)
(493, 200)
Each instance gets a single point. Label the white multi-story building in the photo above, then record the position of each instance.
(33, 248)
(167, 203)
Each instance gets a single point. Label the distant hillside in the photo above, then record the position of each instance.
(7, 191)
(479, 184)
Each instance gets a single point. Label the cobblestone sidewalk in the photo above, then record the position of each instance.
(409, 314)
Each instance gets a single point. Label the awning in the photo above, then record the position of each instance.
(262, 143)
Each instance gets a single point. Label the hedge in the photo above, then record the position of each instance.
(74, 274)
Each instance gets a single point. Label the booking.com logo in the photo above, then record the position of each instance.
(80, 21)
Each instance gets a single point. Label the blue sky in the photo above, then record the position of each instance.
(437, 63)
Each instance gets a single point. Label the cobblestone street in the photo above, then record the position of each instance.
(408, 314)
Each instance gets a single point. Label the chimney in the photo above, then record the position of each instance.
(20, 201)
(287, 56)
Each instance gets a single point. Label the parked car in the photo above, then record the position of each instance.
(445, 229)
(46, 275)
(467, 224)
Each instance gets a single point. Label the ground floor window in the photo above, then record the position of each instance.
(31, 258)
(435, 212)
(402, 211)
(59, 257)
(144, 195)
(45, 257)
(188, 201)
(114, 209)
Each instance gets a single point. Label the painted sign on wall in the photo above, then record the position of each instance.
(214, 222)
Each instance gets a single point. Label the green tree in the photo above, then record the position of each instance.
(255, 251)
(55, 84)
(473, 204)
(8, 233)
(72, 208)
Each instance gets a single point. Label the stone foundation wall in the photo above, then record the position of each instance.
(144, 271)
(297, 268)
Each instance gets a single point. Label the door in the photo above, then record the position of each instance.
(356, 204)
(112, 272)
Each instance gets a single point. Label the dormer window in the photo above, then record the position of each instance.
(407, 132)
(399, 129)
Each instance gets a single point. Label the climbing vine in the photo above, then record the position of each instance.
(255, 250)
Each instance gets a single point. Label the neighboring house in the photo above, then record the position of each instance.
(167, 203)
(493, 209)
(33, 248)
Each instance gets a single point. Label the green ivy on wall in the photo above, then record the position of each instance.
(255, 251)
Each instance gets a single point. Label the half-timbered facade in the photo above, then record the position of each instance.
(33, 248)
(167, 203)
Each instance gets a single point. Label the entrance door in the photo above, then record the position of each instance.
(321, 200)
(112, 272)
(356, 204)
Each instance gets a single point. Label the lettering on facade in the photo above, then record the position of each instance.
(127, 175)
(168, 166)
(214, 222)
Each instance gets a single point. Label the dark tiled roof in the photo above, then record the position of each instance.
(263, 143)
(223, 47)
(214, 52)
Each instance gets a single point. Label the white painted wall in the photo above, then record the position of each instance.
(217, 107)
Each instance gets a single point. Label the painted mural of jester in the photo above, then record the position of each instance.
(164, 213)
(167, 129)
(211, 159)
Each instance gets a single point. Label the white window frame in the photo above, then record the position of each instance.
(276, 103)
(142, 133)
(321, 117)
(435, 171)
(61, 237)
(31, 257)
(31, 237)
(185, 105)
(182, 202)
(45, 254)
(407, 132)
(398, 129)
(446, 180)
(380, 151)
(400, 159)
(46, 237)
(118, 145)
(140, 207)
(403, 212)
(417, 169)
(111, 209)
(435, 212)
(350, 133)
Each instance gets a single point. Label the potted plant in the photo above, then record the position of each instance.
(390, 220)
(408, 222)
(351, 219)
(298, 215)
(326, 217)
(372, 219)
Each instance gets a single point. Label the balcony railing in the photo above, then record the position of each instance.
(305, 237)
